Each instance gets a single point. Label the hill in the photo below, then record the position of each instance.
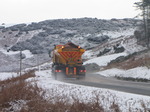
(103, 36)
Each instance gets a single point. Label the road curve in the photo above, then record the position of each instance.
(95, 80)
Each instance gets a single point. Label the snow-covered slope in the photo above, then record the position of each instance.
(128, 43)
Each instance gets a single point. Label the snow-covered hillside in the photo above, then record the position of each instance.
(105, 41)
(40, 38)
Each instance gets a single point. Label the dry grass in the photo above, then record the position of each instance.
(15, 89)
(132, 62)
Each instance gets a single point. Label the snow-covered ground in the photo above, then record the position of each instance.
(139, 72)
(7, 25)
(27, 53)
(104, 60)
(7, 75)
(87, 94)
(12, 24)
(121, 32)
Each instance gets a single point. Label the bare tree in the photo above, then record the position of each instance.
(144, 6)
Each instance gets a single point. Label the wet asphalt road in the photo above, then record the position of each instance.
(95, 80)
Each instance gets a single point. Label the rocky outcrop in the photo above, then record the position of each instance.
(106, 50)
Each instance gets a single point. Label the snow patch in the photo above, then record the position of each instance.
(104, 60)
(121, 32)
(9, 52)
(27, 53)
(7, 75)
(139, 72)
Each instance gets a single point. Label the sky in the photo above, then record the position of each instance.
(24, 11)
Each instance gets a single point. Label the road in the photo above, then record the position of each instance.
(95, 80)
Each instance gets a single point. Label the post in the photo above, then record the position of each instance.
(148, 23)
(20, 62)
(38, 63)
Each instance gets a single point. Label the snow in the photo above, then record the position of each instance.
(16, 105)
(88, 54)
(131, 45)
(7, 75)
(104, 60)
(9, 53)
(87, 94)
(12, 24)
(139, 72)
(27, 53)
(121, 32)
(7, 25)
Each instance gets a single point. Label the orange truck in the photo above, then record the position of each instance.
(67, 61)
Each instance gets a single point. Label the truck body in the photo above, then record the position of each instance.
(67, 61)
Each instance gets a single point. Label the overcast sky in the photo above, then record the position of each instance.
(20, 11)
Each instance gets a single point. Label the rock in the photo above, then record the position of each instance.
(17, 27)
(119, 49)
(17, 56)
(119, 59)
(68, 34)
(2, 27)
(43, 34)
(99, 39)
(5, 30)
(106, 50)
(83, 31)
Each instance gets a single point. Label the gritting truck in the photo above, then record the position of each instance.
(67, 61)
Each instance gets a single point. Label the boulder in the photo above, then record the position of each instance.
(118, 49)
